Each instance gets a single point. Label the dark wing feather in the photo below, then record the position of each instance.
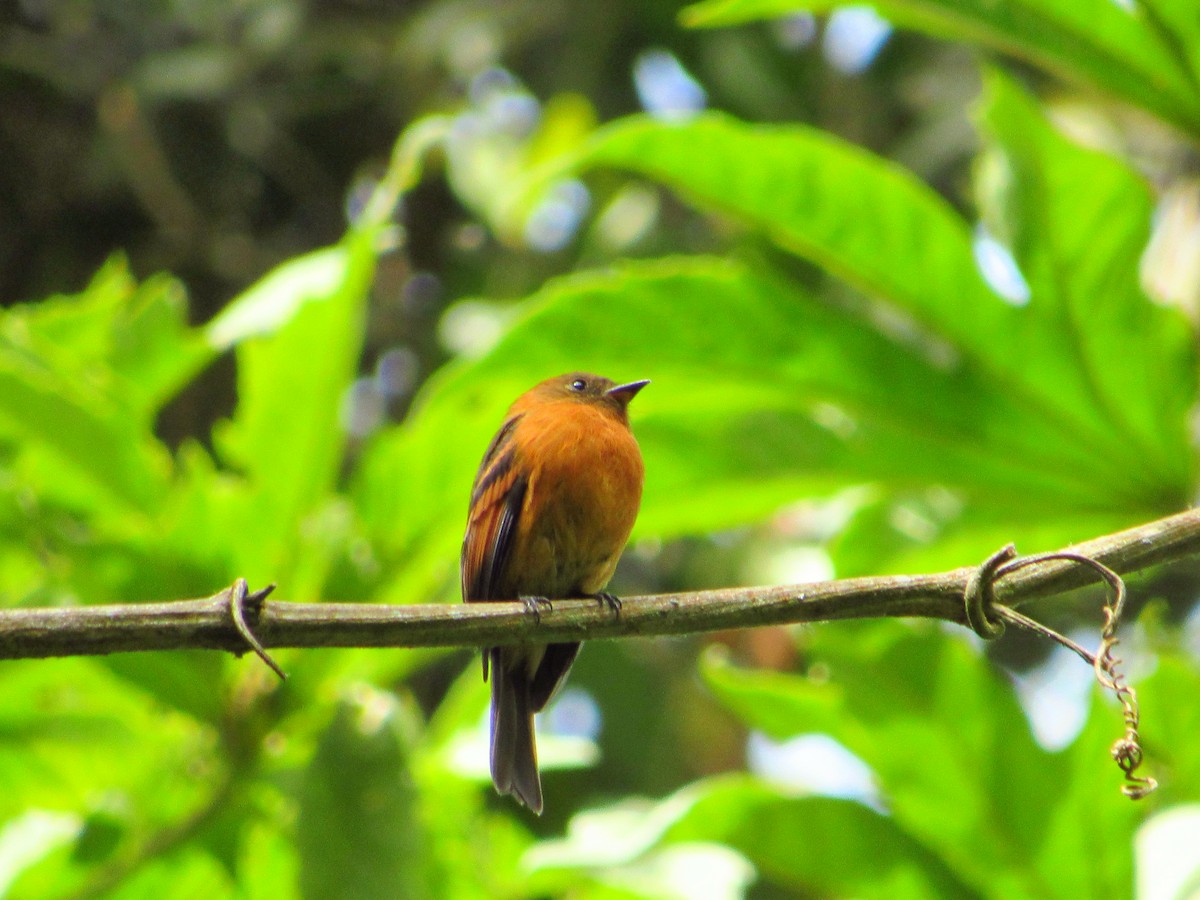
(496, 460)
(496, 501)
(498, 532)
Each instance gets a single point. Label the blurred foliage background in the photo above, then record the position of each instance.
(911, 281)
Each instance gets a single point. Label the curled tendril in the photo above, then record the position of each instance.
(986, 618)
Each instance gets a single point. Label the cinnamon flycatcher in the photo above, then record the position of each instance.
(552, 506)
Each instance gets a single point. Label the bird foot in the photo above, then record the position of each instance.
(535, 605)
(612, 601)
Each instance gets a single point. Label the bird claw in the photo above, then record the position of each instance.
(612, 601)
(535, 605)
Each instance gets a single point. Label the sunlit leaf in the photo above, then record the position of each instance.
(878, 228)
(187, 873)
(299, 332)
(76, 740)
(809, 844)
(30, 837)
(1144, 54)
(81, 378)
(620, 851)
(54, 711)
(943, 733)
(1079, 222)
(834, 847)
(268, 867)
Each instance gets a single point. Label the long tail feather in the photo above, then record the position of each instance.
(514, 753)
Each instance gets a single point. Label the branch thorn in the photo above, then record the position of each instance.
(239, 601)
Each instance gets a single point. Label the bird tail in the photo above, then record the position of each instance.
(514, 753)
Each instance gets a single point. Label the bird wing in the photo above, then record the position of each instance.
(496, 500)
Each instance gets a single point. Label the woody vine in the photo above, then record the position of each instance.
(982, 597)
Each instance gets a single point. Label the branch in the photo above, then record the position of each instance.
(212, 622)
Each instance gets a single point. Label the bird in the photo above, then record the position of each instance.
(551, 509)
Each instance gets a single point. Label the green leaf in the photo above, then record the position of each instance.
(890, 236)
(1169, 716)
(76, 740)
(1010, 407)
(78, 448)
(1144, 54)
(188, 872)
(128, 341)
(810, 845)
(865, 219)
(1078, 222)
(279, 297)
(31, 837)
(1178, 29)
(81, 378)
(620, 851)
(360, 832)
(814, 844)
(298, 334)
(932, 530)
(188, 681)
(268, 866)
(942, 731)
(1086, 810)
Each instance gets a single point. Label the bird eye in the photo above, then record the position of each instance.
(578, 384)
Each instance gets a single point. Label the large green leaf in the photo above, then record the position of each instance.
(948, 742)
(1116, 395)
(953, 754)
(298, 334)
(1178, 29)
(830, 846)
(1143, 53)
(78, 741)
(128, 341)
(1086, 810)
(927, 530)
(1078, 222)
(763, 393)
(81, 378)
(816, 845)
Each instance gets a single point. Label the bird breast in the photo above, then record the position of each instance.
(583, 497)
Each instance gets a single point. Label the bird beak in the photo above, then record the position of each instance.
(626, 392)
